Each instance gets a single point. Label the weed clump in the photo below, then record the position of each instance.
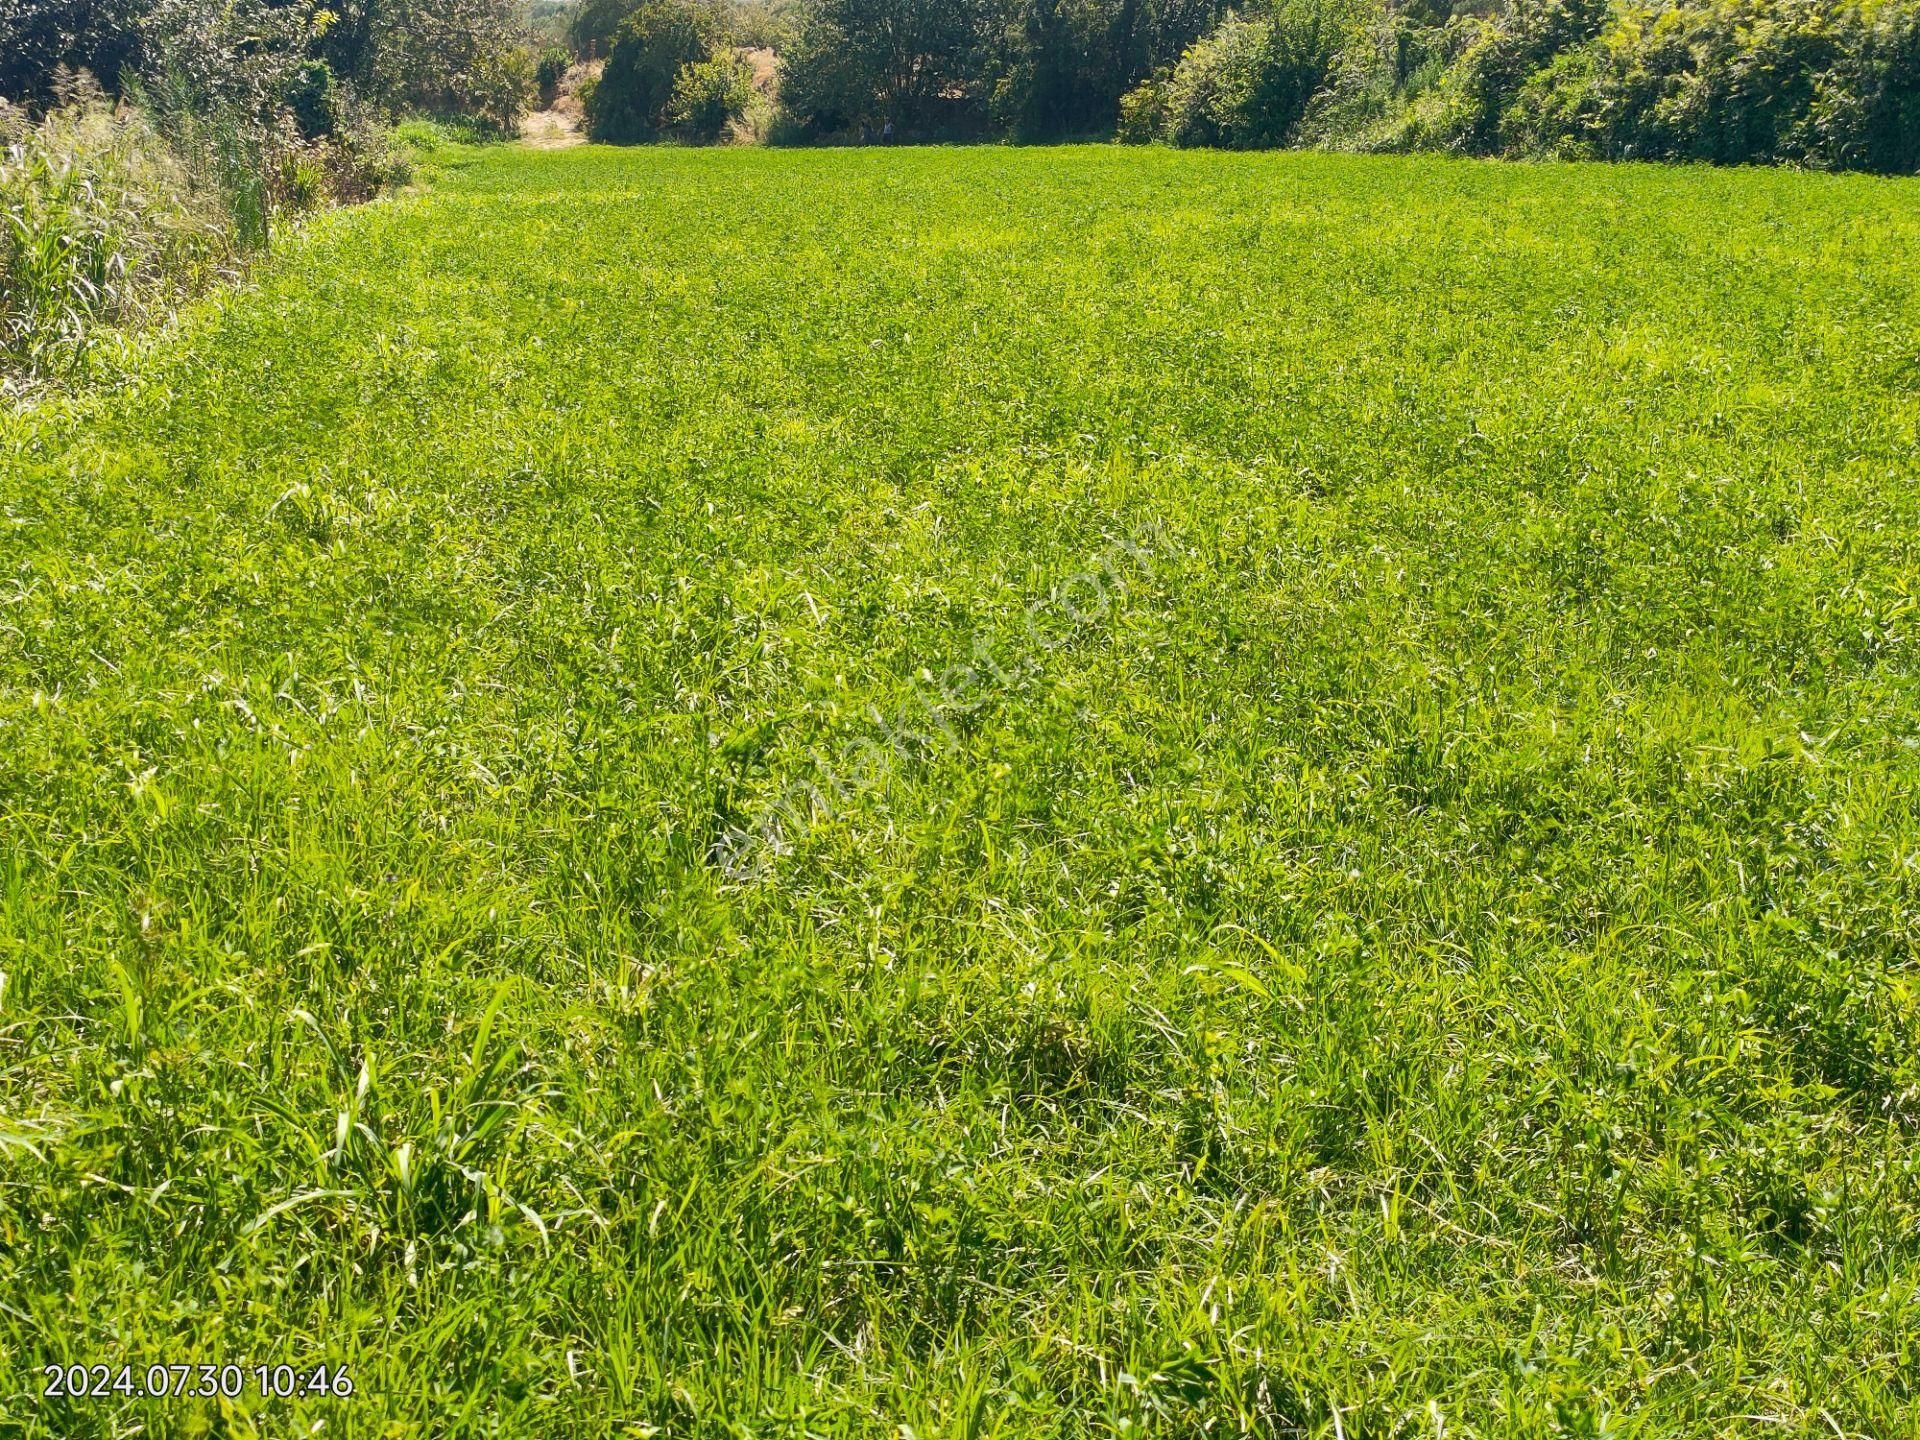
(114, 210)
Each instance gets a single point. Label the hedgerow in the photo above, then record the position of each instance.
(1833, 84)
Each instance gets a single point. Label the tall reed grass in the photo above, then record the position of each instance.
(103, 218)
(113, 210)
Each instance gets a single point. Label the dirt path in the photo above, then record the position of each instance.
(554, 129)
(563, 123)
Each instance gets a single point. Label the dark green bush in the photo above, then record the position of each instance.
(314, 100)
(41, 38)
(1057, 68)
(595, 25)
(548, 72)
(1245, 86)
(633, 100)
(1866, 112)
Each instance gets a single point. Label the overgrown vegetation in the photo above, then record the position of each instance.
(1812, 82)
(666, 70)
(1033, 69)
(99, 216)
(152, 144)
(1833, 84)
(1247, 85)
(112, 211)
(1010, 792)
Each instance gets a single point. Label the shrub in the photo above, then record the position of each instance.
(1865, 113)
(1490, 63)
(1381, 73)
(1303, 39)
(1200, 94)
(548, 71)
(765, 24)
(1143, 111)
(1732, 81)
(1247, 84)
(257, 58)
(314, 100)
(635, 94)
(709, 96)
(227, 150)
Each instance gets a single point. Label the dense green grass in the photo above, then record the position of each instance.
(1407, 930)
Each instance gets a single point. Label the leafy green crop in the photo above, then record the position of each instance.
(990, 793)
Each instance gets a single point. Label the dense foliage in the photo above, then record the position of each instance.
(1734, 81)
(465, 57)
(1034, 69)
(40, 39)
(1829, 83)
(111, 212)
(870, 61)
(151, 143)
(661, 59)
(983, 793)
(1246, 85)
(709, 95)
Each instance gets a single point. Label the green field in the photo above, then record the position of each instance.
(982, 793)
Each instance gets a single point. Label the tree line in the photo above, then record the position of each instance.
(1832, 84)
(320, 64)
(1828, 83)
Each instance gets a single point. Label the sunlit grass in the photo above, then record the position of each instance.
(1402, 922)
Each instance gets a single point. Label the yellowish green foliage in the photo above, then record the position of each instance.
(102, 219)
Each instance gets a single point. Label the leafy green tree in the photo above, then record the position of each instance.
(1034, 69)
(709, 95)
(634, 97)
(595, 25)
(917, 63)
(457, 57)
(38, 38)
(1060, 67)
(239, 58)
